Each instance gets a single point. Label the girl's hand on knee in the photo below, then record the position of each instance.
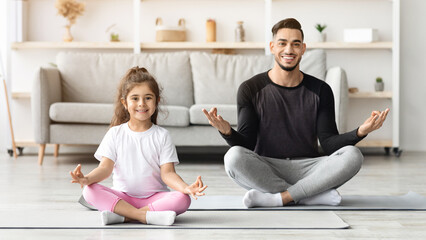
(78, 176)
(196, 189)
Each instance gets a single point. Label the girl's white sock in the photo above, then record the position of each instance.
(111, 218)
(165, 218)
(254, 198)
(330, 197)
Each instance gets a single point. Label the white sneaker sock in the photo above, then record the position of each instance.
(330, 197)
(165, 218)
(254, 198)
(108, 218)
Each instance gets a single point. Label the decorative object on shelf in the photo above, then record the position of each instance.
(111, 31)
(239, 32)
(353, 90)
(379, 86)
(322, 37)
(168, 33)
(360, 35)
(70, 9)
(210, 30)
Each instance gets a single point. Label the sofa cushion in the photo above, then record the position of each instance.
(314, 63)
(227, 111)
(96, 113)
(85, 73)
(101, 113)
(217, 77)
(173, 116)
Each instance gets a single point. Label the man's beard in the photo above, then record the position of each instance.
(288, 69)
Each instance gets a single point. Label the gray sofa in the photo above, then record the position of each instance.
(73, 103)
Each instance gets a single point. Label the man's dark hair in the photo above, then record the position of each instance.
(287, 23)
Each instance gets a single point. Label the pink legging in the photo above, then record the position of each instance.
(105, 199)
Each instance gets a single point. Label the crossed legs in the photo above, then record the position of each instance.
(160, 208)
(301, 181)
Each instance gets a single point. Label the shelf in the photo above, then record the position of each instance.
(346, 45)
(190, 45)
(129, 45)
(72, 45)
(32, 143)
(21, 95)
(25, 143)
(203, 45)
(387, 95)
(375, 143)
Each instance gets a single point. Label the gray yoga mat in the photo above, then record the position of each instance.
(67, 219)
(409, 201)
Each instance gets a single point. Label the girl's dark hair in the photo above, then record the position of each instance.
(132, 78)
(287, 23)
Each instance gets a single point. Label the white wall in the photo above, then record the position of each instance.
(413, 75)
(362, 66)
(4, 124)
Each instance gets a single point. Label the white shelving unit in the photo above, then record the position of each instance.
(138, 46)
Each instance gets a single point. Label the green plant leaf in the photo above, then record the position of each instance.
(320, 27)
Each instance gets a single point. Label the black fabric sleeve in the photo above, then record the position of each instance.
(328, 135)
(248, 121)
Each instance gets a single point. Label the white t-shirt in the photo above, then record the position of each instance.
(138, 157)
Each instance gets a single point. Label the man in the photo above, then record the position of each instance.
(281, 114)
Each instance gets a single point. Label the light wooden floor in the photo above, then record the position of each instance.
(24, 183)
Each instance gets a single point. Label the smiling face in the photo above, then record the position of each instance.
(141, 103)
(288, 48)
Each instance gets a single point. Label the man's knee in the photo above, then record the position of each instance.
(234, 159)
(353, 159)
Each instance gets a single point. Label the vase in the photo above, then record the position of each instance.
(379, 86)
(67, 36)
(322, 37)
(239, 32)
(210, 30)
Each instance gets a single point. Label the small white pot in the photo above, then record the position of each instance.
(322, 37)
(379, 86)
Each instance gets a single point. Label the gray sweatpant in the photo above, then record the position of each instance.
(302, 178)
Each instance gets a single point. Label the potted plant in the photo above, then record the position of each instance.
(113, 34)
(114, 37)
(322, 36)
(379, 86)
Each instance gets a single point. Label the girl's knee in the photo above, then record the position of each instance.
(90, 191)
(182, 202)
(186, 201)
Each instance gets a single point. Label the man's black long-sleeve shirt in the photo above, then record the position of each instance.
(285, 122)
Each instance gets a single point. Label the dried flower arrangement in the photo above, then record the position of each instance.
(70, 9)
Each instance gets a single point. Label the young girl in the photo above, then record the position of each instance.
(142, 157)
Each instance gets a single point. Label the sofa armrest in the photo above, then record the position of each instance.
(46, 90)
(336, 78)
